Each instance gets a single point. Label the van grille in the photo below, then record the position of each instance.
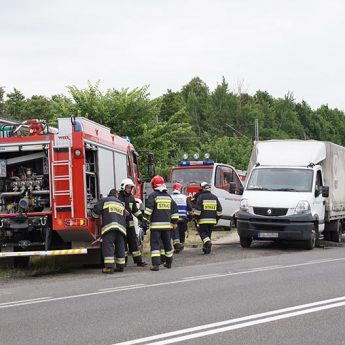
(264, 211)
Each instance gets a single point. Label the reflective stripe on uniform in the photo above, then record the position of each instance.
(176, 241)
(135, 254)
(174, 216)
(162, 252)
(207, 221)
(131, 223)
(114, 226)
(155, 253)
(206, 239)
(197, 212)
(160, 225)
(219, 214)
(169, 254)
(120, 261)
(109, 260)
(138, 213)
(148, 211)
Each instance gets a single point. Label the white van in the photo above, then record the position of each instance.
(295, 191)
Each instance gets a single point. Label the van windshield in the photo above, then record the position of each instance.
(191, 175)
(281, 179)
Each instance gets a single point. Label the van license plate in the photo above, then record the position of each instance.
(268, 235)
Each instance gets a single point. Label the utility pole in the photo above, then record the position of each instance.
(256, 130)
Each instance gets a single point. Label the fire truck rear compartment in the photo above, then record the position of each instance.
(24, 189)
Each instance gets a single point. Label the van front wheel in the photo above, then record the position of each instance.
(245, 242)
(310, 244)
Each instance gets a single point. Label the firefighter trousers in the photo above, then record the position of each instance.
(205, 231)
(175, 236)
(182, 228)
(132, 244)
(159, 237)
(110, 239)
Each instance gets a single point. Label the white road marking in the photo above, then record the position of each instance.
(24, 301)
(240, 322)
(142, 286)
(121, 287)
(205, 275)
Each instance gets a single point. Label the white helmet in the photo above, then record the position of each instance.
(126, 182)
(204, 185)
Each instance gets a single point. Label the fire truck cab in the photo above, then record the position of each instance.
(224, 179)
(51, 179)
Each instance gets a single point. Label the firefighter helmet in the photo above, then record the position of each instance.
(177, 186)
(157, 181)
(205, 185)
(126, 182)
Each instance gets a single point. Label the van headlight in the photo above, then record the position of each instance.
(244, 205)
(303, 206)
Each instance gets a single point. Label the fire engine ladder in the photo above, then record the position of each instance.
(62, 145)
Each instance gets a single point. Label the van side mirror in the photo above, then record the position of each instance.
(325, 191)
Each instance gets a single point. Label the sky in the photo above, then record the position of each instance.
(290, 46)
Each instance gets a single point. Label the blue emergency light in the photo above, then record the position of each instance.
(187, 163)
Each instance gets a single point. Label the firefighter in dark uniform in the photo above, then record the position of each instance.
(207, 212)
(113, 231)
(125, 195)
(162, 213)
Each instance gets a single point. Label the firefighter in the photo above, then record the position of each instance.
(193, 203)
(113, 231)
(162, 213)
(184, 212)
(125, 195)
(207, 212)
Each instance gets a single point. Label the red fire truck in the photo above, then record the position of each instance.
(224, 180)
(50, 180)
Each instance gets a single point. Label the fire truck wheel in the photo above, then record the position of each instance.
(21, 262)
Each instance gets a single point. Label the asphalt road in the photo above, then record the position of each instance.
(264, 295)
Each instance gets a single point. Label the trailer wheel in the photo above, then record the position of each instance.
(310, 244)
(245, 241)
(336, 236)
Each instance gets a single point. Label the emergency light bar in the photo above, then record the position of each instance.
(188, 163)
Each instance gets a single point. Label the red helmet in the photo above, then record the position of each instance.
(157, 181)
(177, 186)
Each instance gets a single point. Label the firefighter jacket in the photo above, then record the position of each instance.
(131, 207)
(208, 208)
(112, 211)
(183, 205)
(161, 210)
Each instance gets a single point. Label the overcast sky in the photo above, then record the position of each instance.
(279, 46)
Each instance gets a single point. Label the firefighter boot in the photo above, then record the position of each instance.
(208, 246)
(177, 247)
(119, 268)
(168, 262)
(108, 270)
(141, 263)
(154, 268)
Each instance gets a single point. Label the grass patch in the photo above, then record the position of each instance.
(37, 266)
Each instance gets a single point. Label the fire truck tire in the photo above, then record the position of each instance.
(21, 262)
(94, 258)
